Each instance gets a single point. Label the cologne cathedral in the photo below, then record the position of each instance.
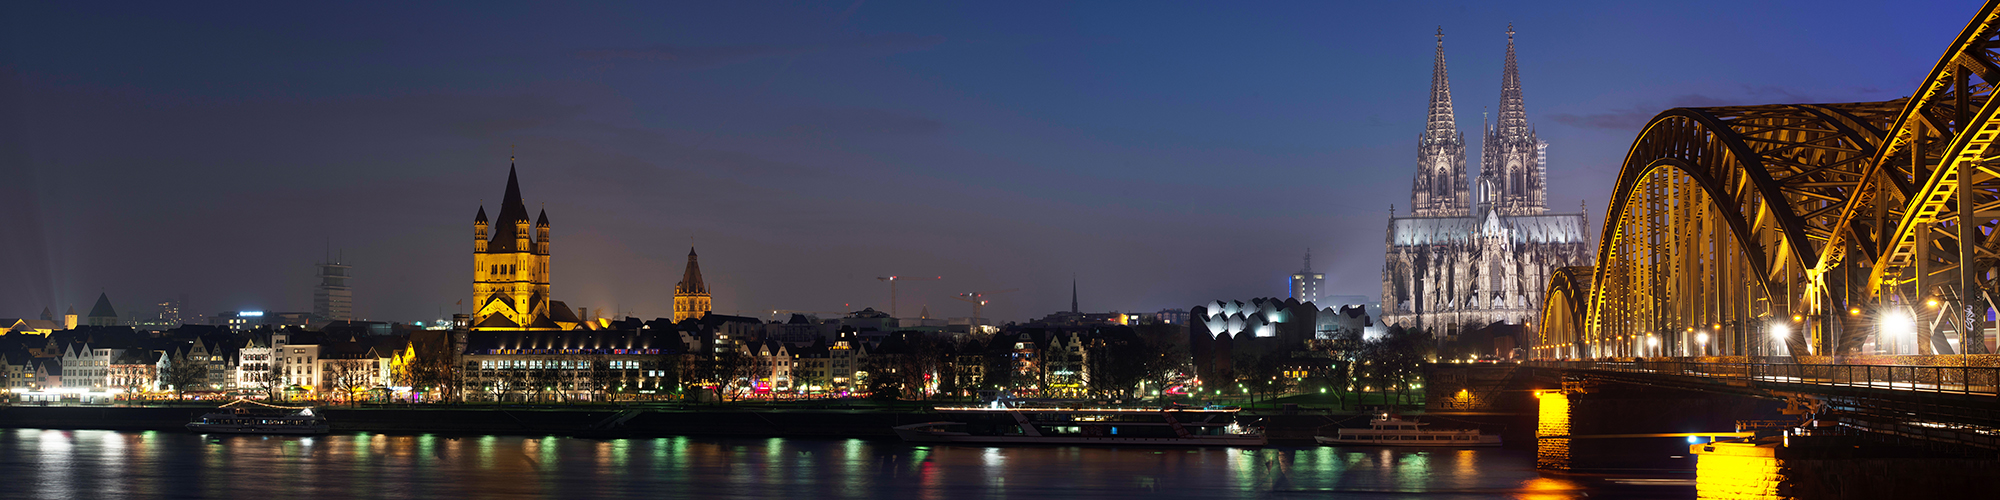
(1469, 256)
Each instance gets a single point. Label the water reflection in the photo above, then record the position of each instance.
(105, 464)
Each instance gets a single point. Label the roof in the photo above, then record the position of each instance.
(691, 283)
(1549, 228)
(482, 341)
(103, 308)
(511, 210)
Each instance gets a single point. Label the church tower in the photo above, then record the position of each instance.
(1511, 159)
(510, 268)
(691, 294)
(1439, 189)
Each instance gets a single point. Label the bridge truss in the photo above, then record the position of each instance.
(1800, 229)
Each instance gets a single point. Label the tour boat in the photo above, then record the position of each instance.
(1388, 430)
(259, 418)
(1001, 424)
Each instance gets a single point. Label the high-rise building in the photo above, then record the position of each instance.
(510, 268)
(1306, 283)
(1450, 266)
(691, 294)
(333, 300)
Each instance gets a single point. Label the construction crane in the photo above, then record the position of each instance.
(978, 300)
(892, 288)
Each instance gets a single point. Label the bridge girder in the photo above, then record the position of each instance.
(1783, 229)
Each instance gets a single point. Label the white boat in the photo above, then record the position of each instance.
(250, 417)
(1170, 426)
(1388, 430)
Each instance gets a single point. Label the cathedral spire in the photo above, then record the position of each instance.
(1443, 124)
(1439, 189)
(1072, 297)
(1513, 113)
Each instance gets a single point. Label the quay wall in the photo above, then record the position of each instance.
(1283, 428)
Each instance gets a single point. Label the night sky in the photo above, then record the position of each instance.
(1160, 154)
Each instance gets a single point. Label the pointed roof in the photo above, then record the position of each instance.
(72, 311)
(512, 211)
(482, 214)
(691, 283)
(1513, 113)
(1443, 124)
(103, 308)
(1072, 296)
(543, 219)
(45, 314)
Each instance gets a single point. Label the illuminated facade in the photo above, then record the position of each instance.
(1460, 261)
(510, 268)
(691, 294)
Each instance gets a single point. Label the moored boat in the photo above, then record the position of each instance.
(250, 417)
(1000, 424)
(1389, 430)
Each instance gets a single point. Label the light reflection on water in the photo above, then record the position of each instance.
(108, 464)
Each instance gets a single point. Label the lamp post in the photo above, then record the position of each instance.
(1701, 340)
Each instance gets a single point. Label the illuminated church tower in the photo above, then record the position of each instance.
(691, 294)
(510, 267)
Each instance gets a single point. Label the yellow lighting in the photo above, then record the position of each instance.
(1855, 311)
(1931, 302)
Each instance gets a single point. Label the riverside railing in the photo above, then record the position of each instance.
(1970, 380)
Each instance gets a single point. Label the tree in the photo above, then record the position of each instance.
(184, 374)
(432, 367)
(343, 376)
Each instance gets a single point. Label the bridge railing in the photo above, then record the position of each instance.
(1939, 379)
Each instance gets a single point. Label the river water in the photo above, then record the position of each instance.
(38, 463)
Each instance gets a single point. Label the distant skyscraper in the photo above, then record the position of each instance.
(691, 294)
(333, 300)
(1306, 283)
(1454, 265)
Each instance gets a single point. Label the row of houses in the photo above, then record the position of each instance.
(711, 356)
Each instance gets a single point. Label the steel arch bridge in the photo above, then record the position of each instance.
(1800, 229)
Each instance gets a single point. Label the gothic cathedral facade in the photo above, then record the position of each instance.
(1468, 256)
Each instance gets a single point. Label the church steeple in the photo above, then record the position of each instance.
(1511, 159)
(1072, 298)
(1439, 189)
(1443, 124)
(1513, 113)
(691, 299)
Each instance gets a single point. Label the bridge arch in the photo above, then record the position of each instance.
(1716, 218)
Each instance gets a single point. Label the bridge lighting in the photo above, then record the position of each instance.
(1897, 324)
(1779, 331)
(1854, 312)
(1797, 318)
(1701, 338)
(1931, 302)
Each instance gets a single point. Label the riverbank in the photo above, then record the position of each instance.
(613, 421)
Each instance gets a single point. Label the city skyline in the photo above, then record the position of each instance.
(803, 164)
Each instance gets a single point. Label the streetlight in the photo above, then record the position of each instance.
(1701, 339)
(1652, 342)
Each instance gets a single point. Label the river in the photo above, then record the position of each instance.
(39, 463)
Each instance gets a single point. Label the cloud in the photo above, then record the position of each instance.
(710, 57)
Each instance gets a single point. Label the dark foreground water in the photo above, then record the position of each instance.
(107, 464)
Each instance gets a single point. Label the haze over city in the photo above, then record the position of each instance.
(1159, 155)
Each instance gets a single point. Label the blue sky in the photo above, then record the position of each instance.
(1161, 154)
